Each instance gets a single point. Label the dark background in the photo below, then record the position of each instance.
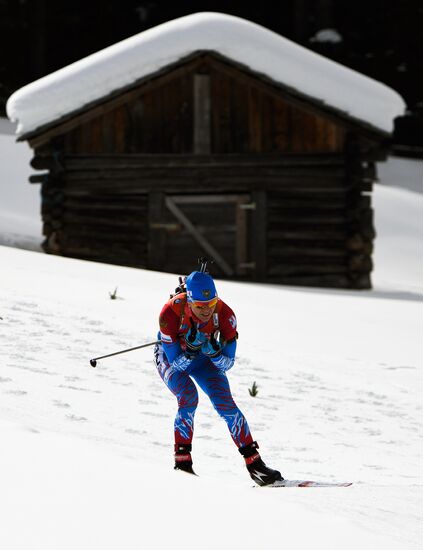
(380, 38)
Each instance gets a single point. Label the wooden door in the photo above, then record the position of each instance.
(185, 227)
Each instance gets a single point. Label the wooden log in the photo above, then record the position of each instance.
(305, 269)
(361, 282)
(358, 243)
(49, 213)
(177, 185)
(47, 229)
(157, 237)
(302, 253)
(120, 255)
(103, 208)
(280, 221)
(360, 263)
(313, 205)
(300, 234)
(324, 280)
(310, 178)
(39, 178)
(102, 234)
(99, 219)
(333, 161)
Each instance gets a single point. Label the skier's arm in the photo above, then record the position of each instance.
(227, 358)
(223, 355)
(169, 323)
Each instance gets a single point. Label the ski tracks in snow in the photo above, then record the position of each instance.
(47, 346)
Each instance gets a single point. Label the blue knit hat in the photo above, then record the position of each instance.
(200, 287)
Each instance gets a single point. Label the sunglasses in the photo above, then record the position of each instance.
(209, 304)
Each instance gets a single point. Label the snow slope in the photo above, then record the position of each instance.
(20, 219)
(263, 51)
(86, 457)
(87, 453)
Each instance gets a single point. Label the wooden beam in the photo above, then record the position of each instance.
(202, 116)
(156, 235)
(241, 250)
(259, 234)
(205, 199)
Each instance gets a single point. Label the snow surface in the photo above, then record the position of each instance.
(20, 217)
(86, 457)
(255, 47)
(87, 454)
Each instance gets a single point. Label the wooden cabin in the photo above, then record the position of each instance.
(208, 157)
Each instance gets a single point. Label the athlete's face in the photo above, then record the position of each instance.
(203, 312)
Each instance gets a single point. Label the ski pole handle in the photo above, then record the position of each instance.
(93, 362)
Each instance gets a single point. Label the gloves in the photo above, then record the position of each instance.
(194, 340)
(181, 362)
(211, 347)
(213, 350)
(223, 363)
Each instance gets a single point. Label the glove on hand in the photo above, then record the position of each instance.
(223, 363)
(194, 340)
(181, 362)
(211, 348)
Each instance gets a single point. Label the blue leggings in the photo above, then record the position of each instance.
(214, 384)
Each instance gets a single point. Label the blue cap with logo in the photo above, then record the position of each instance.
(200, 287)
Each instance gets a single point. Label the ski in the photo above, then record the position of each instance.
(307, 483)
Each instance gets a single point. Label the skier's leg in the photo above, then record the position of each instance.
(181, 385)
(216, 386)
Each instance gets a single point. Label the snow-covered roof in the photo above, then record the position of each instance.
(67, 90)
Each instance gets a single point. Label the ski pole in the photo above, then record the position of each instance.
(93, 362)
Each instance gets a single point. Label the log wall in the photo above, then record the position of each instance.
(310, 221)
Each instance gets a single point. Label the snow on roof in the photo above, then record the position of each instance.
(69, 89)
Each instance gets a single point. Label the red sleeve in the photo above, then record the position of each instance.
(169, 324)
(227, 323)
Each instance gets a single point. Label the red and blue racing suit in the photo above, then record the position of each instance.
(175, 321)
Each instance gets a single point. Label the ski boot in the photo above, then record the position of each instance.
(257, 469)
(183, 460)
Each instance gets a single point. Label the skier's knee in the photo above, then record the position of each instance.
(188, 401)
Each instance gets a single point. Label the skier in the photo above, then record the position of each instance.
(190, 348)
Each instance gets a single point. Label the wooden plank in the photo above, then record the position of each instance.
(259, 234)
(205, 199)
(136, 119)
(121, 124)
(106, 104)
(202, 114)
(221, 185)
(170, 160)
(293, 96)
(241, 240)
(285, 252)
(202, 241)
(314, 280)
(255, 120)
(239, 116)
(157, 237)
(315, 179)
